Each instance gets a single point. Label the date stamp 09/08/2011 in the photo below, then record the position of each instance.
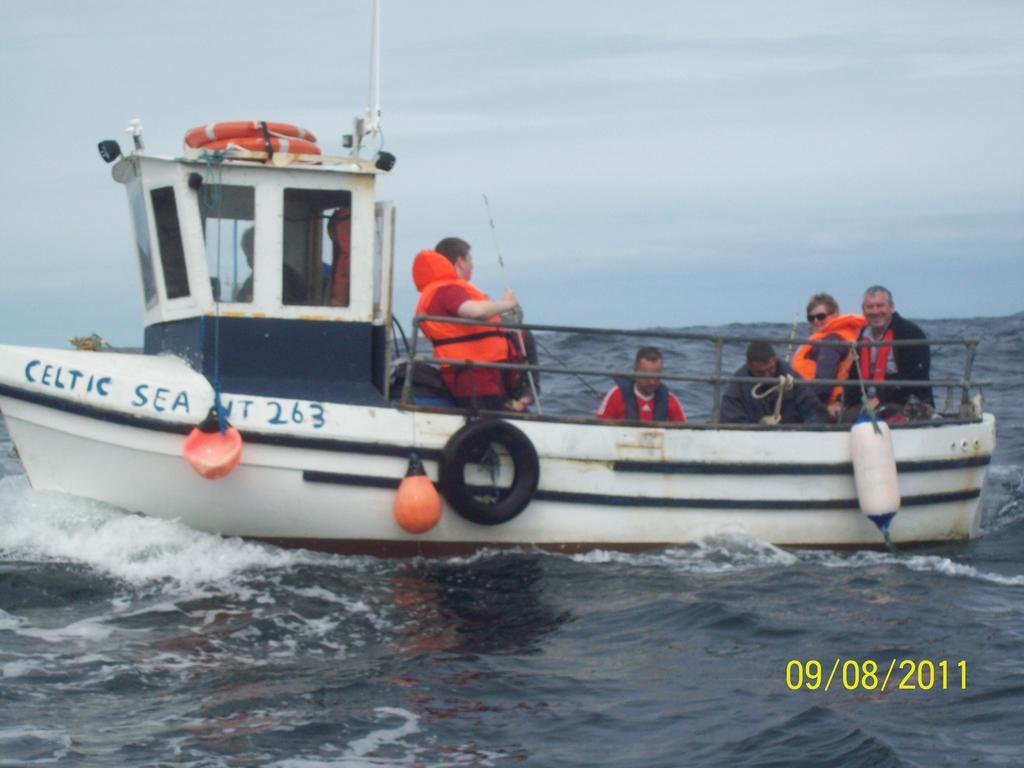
(870, 675)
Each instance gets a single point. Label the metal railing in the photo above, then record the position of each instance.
(716, 380)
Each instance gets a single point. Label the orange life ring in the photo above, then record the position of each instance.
(241, 129)
(256, 144)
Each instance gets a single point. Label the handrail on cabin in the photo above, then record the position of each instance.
(717, 379)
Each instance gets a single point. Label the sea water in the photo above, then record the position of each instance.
(128, 641)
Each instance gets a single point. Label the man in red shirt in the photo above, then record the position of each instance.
(442, 277)
(642, 399)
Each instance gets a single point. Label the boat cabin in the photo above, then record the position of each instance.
(274, 278)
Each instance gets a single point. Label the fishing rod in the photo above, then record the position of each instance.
(792, 337)
(517, 310)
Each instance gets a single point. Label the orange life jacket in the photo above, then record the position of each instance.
(846, 327)
(339, 230)
(486, 344)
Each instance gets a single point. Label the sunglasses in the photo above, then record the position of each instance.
(817, 318)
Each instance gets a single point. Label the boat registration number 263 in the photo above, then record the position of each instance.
(248, 410)
(274, 413)
(252, 411)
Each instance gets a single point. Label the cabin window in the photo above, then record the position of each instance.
(228, 213)
(317, 254)
(168, 237)
(137, 202)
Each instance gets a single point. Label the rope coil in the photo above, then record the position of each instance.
(782, 385)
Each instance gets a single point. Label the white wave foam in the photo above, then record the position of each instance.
(90, 629)
(919, 563)
(480, 555)
(1012, 472)
(947, 567)
(319, 593)
(1004, 499)
(714, 554)
(57, 742)
(374, 740)
(10, 464)
(360, 752)
(39, 525)
(20, 668)
(736, 553)
(353, 606)
(10, 622)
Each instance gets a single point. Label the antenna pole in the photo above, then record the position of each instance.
(369, 123)
(373, 94)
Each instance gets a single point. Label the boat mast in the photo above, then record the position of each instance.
(373, 96)
(370, 123)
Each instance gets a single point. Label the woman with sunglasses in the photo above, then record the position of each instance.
(827, 362)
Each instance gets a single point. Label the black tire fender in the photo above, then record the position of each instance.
(466, 446)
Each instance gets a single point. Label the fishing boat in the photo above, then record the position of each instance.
(266, 274)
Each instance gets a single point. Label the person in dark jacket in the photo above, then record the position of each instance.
(746, 403)
(887, 362)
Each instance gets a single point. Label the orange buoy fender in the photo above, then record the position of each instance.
(240, 129)
(210, 452)
(258, 144)
(874, 470)
(417, 503)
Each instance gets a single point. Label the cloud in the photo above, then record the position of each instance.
(714, 161)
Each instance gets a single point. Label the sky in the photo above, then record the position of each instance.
(655, 163)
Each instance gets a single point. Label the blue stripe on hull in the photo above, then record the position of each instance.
(738, 468)
(602, 499)
(329, 361)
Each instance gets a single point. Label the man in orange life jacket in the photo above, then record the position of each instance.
(886, 362)
(827, 362)
(442, 277)
(646, 399)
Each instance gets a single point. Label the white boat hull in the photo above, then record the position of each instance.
(328, 482)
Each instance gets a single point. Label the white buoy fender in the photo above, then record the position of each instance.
(874, 471)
